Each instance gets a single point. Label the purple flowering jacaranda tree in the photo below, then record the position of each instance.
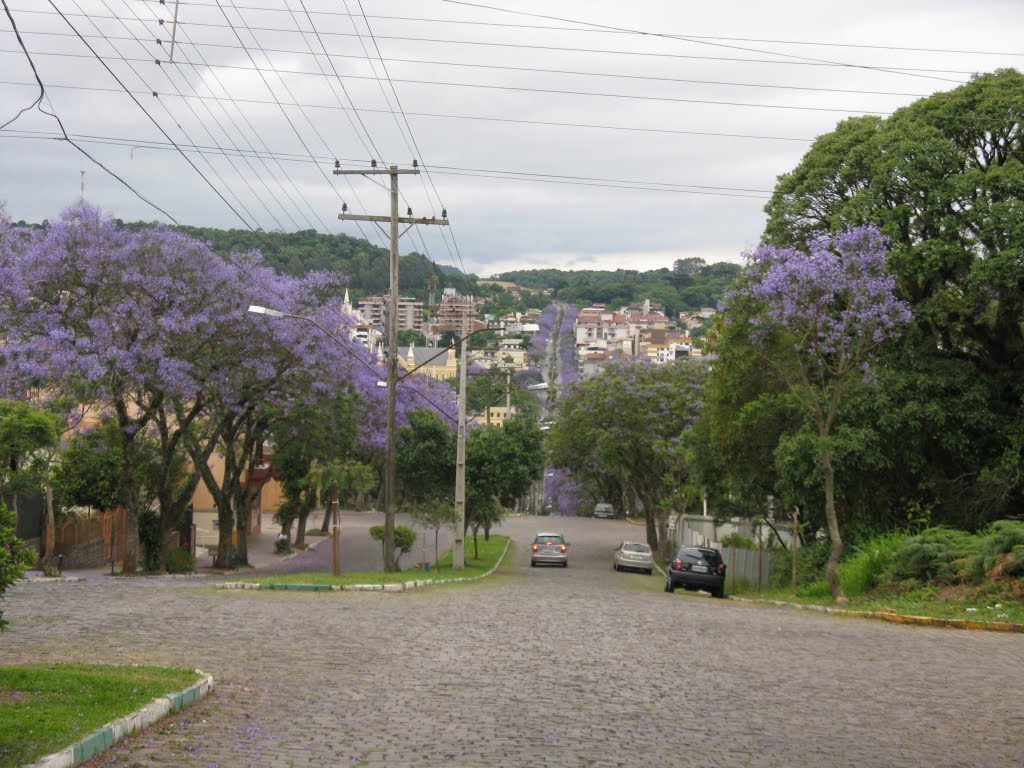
(151, 327)
(834, 304)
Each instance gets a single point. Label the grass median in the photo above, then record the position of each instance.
(47, 707)
(930, 602)
(490, 552)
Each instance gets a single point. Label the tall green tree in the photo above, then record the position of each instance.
(834, 305)
(25, 432)
(625, 427)
(943, 179)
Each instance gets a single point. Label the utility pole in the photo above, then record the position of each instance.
(459, 547)
(392, 331)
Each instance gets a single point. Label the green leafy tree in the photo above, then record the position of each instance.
(405, 540)
(15, 557)
(410, 337)
(425, 457)
(433, 514)
(624, 429)
(502, 464)
(833, 304)
(24, 431)
(943, 179)
(28, 443)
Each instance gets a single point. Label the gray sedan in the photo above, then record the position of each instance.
(633, 556)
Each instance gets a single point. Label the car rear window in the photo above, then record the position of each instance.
(548, 540)
(637, 548)
(709, 556)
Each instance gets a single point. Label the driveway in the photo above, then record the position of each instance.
(580, 666)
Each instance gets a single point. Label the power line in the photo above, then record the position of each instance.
(145, 112)
(213, 168)
(565, 49)
(466, 22)
(484, 118)
(53, 114)
(415, 146)
(256, 134)
(553, 71)
(681, 38)
(637, 184)
(554, 91)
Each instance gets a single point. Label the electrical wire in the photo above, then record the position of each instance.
(906, 70)
(291, 195)
(680, 38)
(508, 120)
(178, 123)
(53, 114)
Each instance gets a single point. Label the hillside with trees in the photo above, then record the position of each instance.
(689, 285)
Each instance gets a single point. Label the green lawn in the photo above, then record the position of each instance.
(923, 602)
(47, 707)
(490, 552)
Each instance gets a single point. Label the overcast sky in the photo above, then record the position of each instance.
(578, 135)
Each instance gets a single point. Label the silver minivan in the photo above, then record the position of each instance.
(604, 509)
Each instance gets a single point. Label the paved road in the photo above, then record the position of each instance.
(535, 667)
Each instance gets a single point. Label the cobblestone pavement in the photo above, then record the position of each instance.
(534, 667)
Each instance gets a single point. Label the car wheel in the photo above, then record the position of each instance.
(719, 593)
(615, 566)
(650, 571)
(565, 564)
(533, 564)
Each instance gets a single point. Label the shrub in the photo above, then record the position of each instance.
(935, 554)
(810, 564)
(149, 538)
(405, 538)
(999, 549)
(867, 567)
(282, 546)
(180, 560)
(15, 557)
(737, 541)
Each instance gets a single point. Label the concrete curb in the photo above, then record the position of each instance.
(401, 586)
(897, 618)
(106, 736)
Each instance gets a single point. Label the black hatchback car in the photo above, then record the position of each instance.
(697, 568)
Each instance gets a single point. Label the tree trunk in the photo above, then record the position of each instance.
(242, 515)
(51, 532)
(832, 567)
(130, 502)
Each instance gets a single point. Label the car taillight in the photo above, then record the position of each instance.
(535, 547)
(563, 547)
(721, 569)
(677, 564)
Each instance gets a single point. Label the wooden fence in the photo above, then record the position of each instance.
(110, 527)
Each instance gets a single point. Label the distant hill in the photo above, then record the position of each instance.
(295, 253)
(692, 284)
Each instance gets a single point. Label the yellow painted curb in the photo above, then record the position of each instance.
(900, 618)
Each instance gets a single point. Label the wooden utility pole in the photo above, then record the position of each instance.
(392, 333)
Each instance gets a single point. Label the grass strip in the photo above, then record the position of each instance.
(929, 603)
(47, 707)
(490, 552)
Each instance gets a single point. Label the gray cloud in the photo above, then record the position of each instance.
(240, 71)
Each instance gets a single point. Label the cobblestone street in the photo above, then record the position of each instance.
(534, 667)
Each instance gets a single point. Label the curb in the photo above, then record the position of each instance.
(401, 586)
(106, 736)
(897, 618)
